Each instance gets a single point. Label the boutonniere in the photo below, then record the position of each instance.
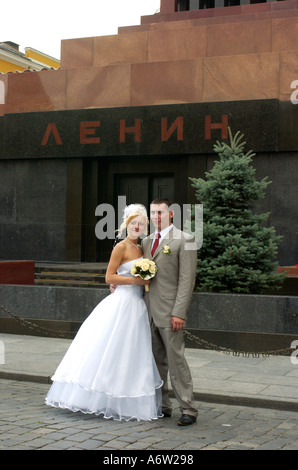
(166, 249)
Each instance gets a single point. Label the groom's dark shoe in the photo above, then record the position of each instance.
(186, 420)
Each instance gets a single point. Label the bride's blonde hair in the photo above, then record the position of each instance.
(130, 212)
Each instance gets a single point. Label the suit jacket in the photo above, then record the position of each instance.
(172, 287)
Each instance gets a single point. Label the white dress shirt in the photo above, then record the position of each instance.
(162, 233)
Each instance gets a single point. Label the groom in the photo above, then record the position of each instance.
(167, 302)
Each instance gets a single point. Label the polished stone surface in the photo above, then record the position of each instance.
(173, 66)
(241, 77)
(266, 314)
(152, 130)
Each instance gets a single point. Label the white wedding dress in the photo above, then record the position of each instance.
(109, 367)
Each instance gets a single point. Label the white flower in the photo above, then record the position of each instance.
(166, 249)
(145, 266)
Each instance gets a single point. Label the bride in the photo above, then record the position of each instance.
(109, 367)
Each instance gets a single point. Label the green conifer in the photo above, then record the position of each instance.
(238, 248)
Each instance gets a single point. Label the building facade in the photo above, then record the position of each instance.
(136, 114)
(13, 60)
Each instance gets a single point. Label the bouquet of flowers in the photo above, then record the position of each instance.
(144, 268)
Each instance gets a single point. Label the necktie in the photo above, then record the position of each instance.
(155, 244)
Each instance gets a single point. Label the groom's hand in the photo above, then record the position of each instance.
(177, 323)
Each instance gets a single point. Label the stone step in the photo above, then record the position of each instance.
(69, 283)
(99, 268)
(71, 275)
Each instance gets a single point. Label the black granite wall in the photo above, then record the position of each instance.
(32, 209)
(56, 167)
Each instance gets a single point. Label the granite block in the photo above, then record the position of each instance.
(288, 76)
(215, 312)
(36, 91)
(76, 53)
(246, 313)
(238, 38)
(98, 87)
(120, 49)
(242, 77)
(285, 34)
(166, 82)
(140, 130)
(178, 44)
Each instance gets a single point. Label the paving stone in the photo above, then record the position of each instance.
(35, 426)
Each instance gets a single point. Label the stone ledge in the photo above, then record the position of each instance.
(269, 314)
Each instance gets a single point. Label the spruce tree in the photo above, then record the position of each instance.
(238, 248)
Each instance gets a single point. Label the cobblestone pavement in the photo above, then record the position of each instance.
(27, 424)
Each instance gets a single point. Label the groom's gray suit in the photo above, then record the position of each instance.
(169, 295)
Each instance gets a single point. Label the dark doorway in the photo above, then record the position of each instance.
(139, 180)
(137, 188)
(143, 188)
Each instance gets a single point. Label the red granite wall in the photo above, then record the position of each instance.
(239, 53)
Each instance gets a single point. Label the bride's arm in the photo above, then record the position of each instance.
(116, 259)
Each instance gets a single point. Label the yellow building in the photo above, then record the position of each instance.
(13, 60)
